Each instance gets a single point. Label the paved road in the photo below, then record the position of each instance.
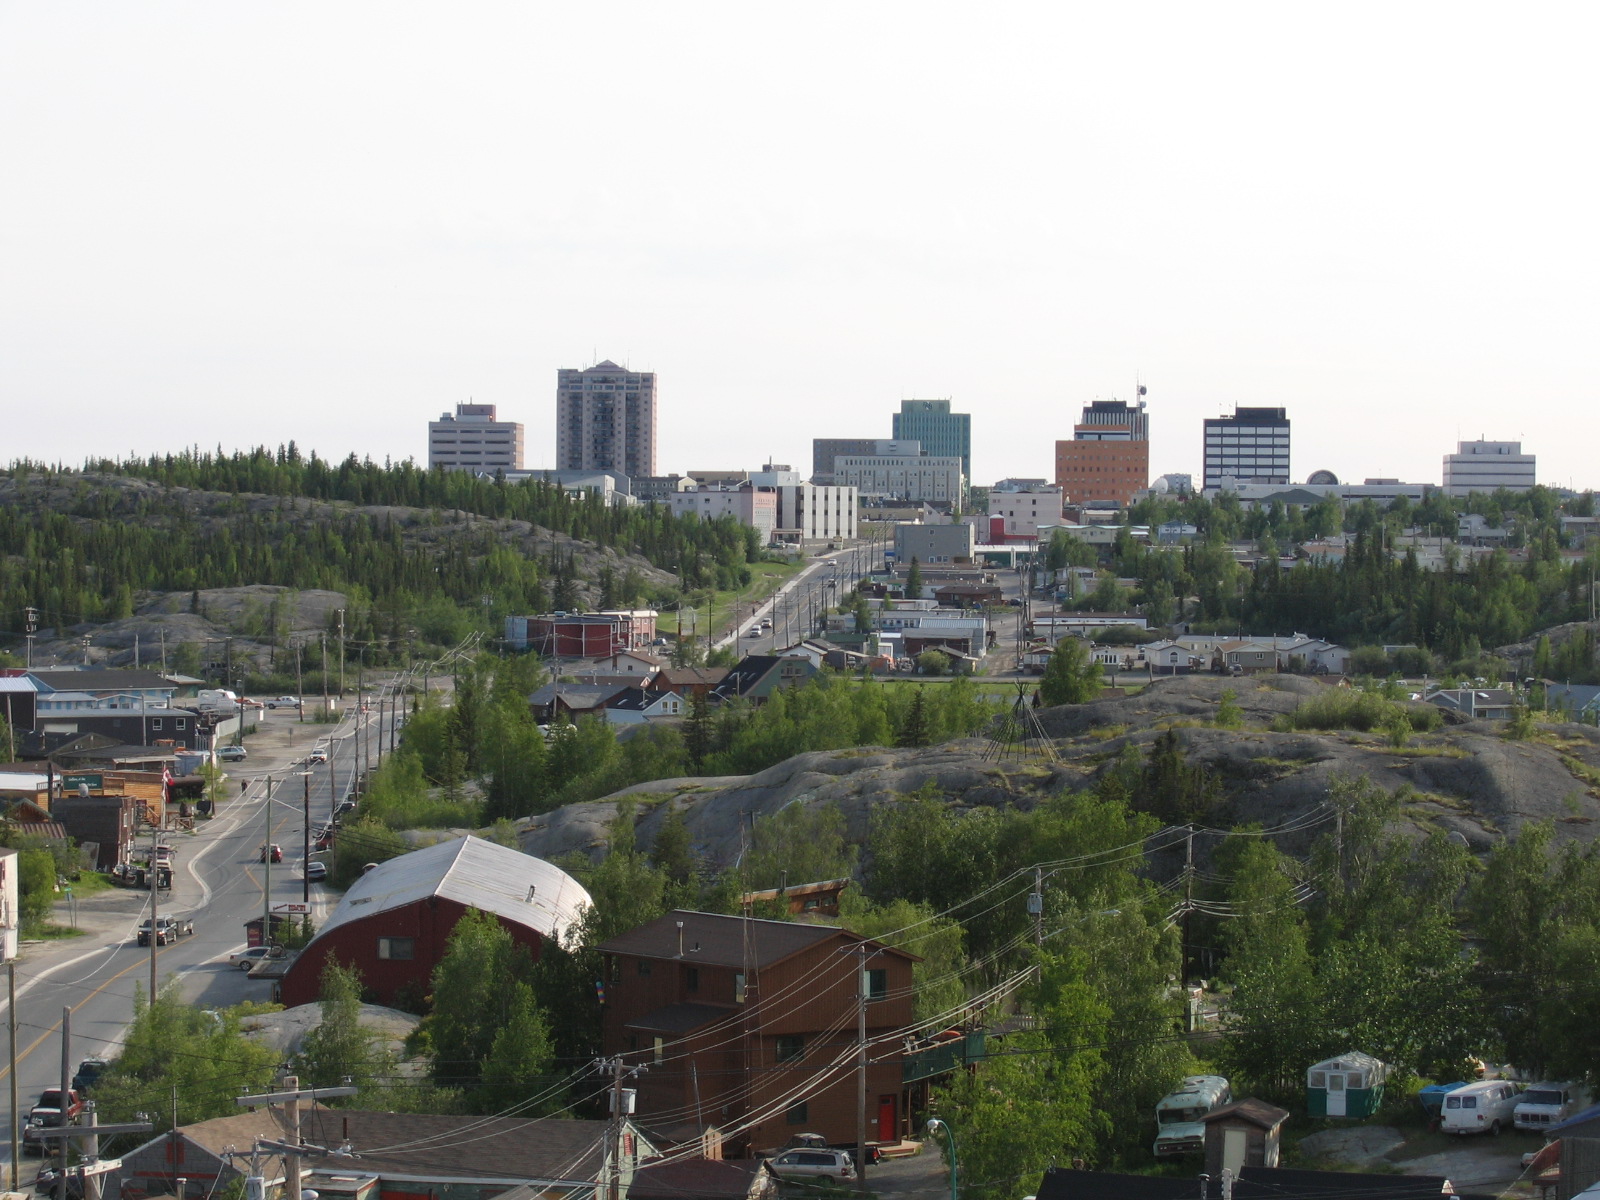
(219, 883)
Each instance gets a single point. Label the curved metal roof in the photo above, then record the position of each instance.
(474, 872)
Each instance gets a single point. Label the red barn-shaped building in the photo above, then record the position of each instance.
(395, 921)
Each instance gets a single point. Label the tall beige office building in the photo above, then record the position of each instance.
(472, 440)
(606, 420)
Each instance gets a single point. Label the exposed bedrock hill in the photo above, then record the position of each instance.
(1466, 777)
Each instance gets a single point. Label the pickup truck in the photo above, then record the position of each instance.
(49, 1114)
(168, 930)
(284, 702)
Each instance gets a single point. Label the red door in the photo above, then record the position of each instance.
(886, 1122)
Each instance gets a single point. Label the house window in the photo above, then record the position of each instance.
(397, 949)
(691, 979)
(659, 1044)
(877, 983)
(155, 722)
(791, 1047)
(644, 967)
(181, 723)
(798, 1115)
(738, 987)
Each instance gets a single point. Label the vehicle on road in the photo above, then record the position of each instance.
(808, 1163)
(232, 753)
(755, 631)
(48, 1113)
(319, 755)
(251, 955)
(345, 806)
(168, 930)
(284, 702)
(275, 850)
(316, 872)
(1486, 1107)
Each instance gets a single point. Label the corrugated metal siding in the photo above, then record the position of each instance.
(1580, 1166)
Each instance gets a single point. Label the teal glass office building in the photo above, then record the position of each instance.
(943, 434)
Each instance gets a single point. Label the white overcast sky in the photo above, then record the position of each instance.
(238, 224)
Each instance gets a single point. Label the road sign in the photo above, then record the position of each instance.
(293, 908)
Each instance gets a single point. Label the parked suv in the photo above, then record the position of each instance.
(232, 753)
(814, 1164)
(168, 930)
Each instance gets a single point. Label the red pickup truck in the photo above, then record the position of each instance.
(48, 1114)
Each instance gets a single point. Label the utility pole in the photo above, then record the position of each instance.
(293, 1149)
(1036, 907)
(861, 953)
(341, 656)
(66, 1081)
(155, 902)
(11, 1029)
(621, 1109)
(305, 877)
(1188, 905)
(91, 1168)
(266, 859)
(30, 626)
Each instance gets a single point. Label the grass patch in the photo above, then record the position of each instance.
(91, 883)
(1104, 733)
(1583, 771)
(48, 931)
(1367, 712)
(1424, 751)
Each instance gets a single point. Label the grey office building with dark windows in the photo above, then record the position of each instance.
(1252, 446)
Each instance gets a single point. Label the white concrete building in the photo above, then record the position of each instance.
(473, 440)
(1020, 514)
(1486, 467)
(903, 476)
(748, 504)
(809, 512)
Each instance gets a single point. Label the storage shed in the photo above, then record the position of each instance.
(1348, 1086)
(1243, 1134)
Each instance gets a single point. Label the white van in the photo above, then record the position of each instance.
(1180, 1117)
(1547, 1104)
(1486, 1107)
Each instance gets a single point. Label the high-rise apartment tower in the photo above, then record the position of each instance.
(606, 420)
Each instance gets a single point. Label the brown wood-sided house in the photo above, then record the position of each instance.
(744, 1021)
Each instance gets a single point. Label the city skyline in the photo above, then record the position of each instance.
(1259, 208)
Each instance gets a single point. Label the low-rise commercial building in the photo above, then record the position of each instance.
(747, 503)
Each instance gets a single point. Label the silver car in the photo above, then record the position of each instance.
(814, 1164)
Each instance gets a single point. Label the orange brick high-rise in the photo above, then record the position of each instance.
(1108, 457)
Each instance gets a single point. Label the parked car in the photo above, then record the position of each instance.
(232, 753)
(45, 1182)
(1547, 1104)
(251, 955)
(345, 806)
(810, 1163)
(49, 1113)
(319, 755)
(1486, 1107)
(316, 872)
(168, 930)
(284, 702)
(274, 850)
(88, 1074)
